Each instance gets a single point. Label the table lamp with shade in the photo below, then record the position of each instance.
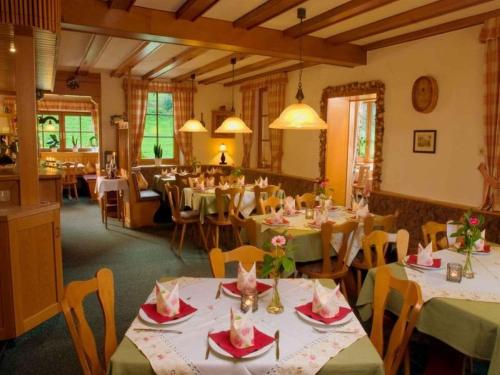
(222, 149)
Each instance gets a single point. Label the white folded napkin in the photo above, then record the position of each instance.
(362, 212)
(326, 301)
(276, 217)
(210, 181)
(289, 205)
(200, 184)
(225, 185)
(165, 172)
(479, 244)
(424, 255)
(173, 170)
(240, 180)
(167, 302)
(247, 280)
(197, 170)
(241, 333)
(450, 229)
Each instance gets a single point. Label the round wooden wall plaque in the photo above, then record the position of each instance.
(424, 94)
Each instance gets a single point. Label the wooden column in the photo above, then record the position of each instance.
(27, 161)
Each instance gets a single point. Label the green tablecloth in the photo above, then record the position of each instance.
(471, 327)
(360, 358)
(159, 184)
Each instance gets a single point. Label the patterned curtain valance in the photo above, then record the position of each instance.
(67, 105)
(259, 83)
(159, 86)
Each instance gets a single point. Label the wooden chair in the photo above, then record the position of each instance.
(270, 204)
(386, 223)
(397, 347)
(430, 231)
(363, 179)
(250, 227)
(247, 255)
(111, 206)
(81, 334)
(307, 199)
(402, 241)
(193, 181)
(269, 190)
(142, 205)
(221, 219)
(182, 218)
(329, 268)
(374, 247)
(69, 179)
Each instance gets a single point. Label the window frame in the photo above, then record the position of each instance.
(260, 129)
(173, 160)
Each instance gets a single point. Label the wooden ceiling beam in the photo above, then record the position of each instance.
(422, 13)
(214, 65)
(121, 4)
(174, 62)
(192, 9)
(140, 53)
(434, 30)
(93, 16)
(338, 14)
(265, 12)
(243, 70)
(95, 48)
(285, 69)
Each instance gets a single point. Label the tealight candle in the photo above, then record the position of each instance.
(309, 213)
(454, 272)
(249, 300)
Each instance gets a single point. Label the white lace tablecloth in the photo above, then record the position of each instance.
(172, 353)
(485, 286)
(104, 184)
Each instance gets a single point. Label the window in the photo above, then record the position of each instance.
(264, 144)
(64, 126)
(159, 126)
(366, 130)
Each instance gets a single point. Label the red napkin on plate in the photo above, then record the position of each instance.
(261, 340)
(270, 222)
(307, 310)
(486, 248)
(412, 260)
(150, 310)
(232, 287)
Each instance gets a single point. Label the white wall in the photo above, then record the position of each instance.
(112, 103)
(456, 61)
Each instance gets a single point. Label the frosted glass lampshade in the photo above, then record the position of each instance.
(193, 126)
(299, 116)
(222, 147)
(233, 124)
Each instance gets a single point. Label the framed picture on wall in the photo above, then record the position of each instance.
(424, 141)
(218, 117)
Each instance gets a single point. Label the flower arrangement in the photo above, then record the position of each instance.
(322, 190)
(281, 259)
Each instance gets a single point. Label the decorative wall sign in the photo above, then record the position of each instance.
(424, 141)
(424, 95)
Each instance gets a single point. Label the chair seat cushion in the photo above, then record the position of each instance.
(148, 195)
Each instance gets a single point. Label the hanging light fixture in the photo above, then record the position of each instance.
(299, 115)
(193, 125)
(233, 124)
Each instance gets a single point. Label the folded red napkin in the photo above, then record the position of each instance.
(150, 310)
(486, 248)
(307, 310)
(270, 222)
(233, 288)
(412, 260)
(261, 340)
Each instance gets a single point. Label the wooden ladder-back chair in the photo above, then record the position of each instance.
(250, 227)
(387, 223)
(81, 334)
(247, 255)
(374, 247)
(329, 268)
(430, 231)
(69, 179)
(269, 190)
(307, 199)
(228, 202)
(402, 241)
(397, 347)
(270, 204)
(182, 218)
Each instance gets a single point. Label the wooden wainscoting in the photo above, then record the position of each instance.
(73, 157)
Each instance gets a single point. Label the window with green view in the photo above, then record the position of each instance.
(81, 128)
(159, 126)
(48, 124)
(366, 130)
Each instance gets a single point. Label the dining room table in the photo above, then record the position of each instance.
(302, 347)
(465, 315)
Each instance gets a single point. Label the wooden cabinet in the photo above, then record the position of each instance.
(31, 282)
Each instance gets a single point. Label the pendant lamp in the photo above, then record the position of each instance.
(193, 125)
(299, 115)
(233, 124)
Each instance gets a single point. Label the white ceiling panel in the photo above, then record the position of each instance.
(71, 49)
(117, 50)
(164, 53)
(231, 10)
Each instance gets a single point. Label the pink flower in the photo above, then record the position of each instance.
(278, 241)
(473, 220)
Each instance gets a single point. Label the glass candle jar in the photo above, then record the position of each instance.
(454, 272)
(249, 300)
(309, 213)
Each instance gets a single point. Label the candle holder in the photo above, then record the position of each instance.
(249, 300)
(309, 213)
(454, 272)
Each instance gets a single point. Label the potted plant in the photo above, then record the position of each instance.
(74, 141)
(93, 143)
(53, 143)
(158, 151)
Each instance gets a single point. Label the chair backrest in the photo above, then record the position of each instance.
(270, 190)
(430, 231)
(377, 240)
(135, 185)
(270, 204)
(69, 174)
(247, 255)
(235, 196)
(193, 181)
(83, 338)
(174, 199)
(250, 227)
(407, 319)
(307, 199)
(387, 223)
(327, 230)
(402, 241)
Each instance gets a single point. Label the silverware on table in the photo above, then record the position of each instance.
(219, 289)
(158, 330)
(277, 339)
(207, 353)
(334, 330)
(410, 267)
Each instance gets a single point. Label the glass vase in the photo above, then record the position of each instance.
(275, 306)
(467, 271)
